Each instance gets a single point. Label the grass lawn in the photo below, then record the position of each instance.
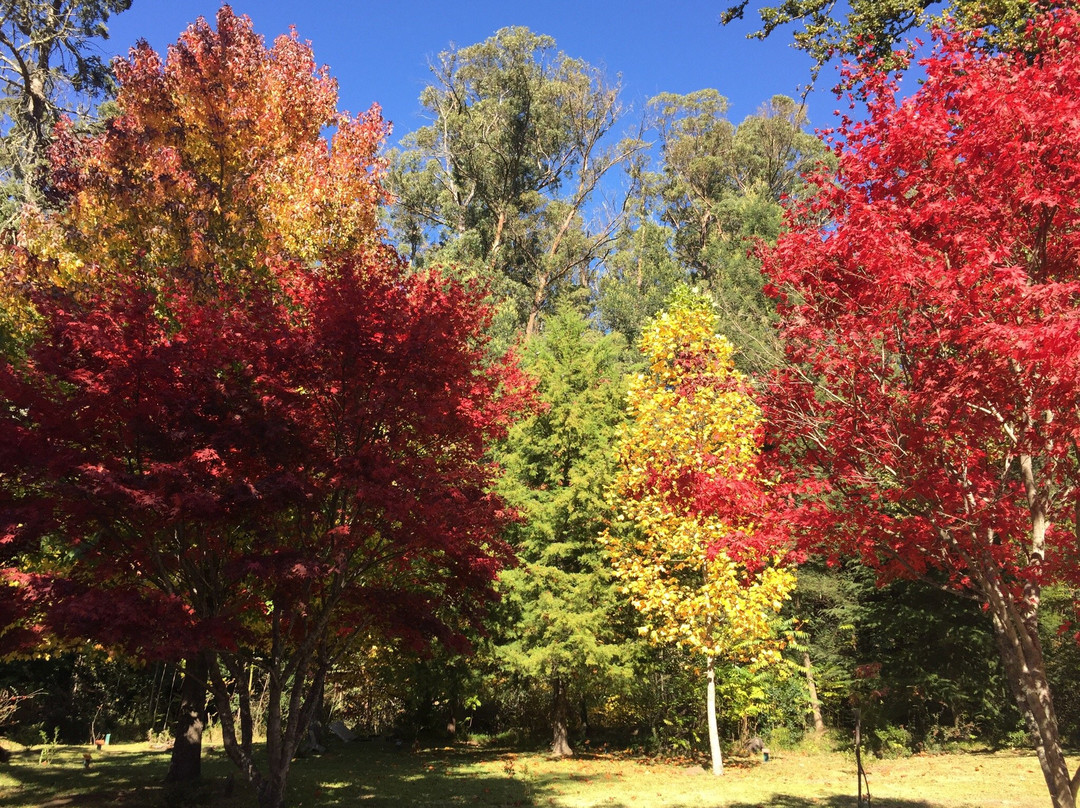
(377, 774)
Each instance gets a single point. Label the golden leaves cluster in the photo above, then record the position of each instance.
(692, 421)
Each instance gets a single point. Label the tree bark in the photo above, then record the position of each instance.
(285, 725)
(1018, 640)
(239, 753)
(186, 762)
(315, 723)
(532, 327)
(1016, 627)
(560, 712)
(272, 792)
(714, 732)
(815, 703)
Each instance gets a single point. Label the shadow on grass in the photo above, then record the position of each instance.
(116, 777)
(374, 776)
(783, 801)
(369, 774)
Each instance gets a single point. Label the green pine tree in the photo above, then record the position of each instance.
(561, 631)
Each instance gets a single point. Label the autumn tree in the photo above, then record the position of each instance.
(216, 163)
(279, 436)
(507, 176)
(214, 171)
(929, 303)
(251, 482)
(689, 545)
(47, 63)
(561, 628)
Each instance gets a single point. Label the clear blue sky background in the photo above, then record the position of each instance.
(379, 50)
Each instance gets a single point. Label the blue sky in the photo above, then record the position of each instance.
(380, 50)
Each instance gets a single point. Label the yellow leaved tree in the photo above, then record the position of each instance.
(688, 545)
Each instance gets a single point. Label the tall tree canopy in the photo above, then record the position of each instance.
(691, 551)
(639, 276)
(713, 171)
(882, 25)
(716, 190)
(46, 64)
(929, 301)
(720, 189)
(507, 174)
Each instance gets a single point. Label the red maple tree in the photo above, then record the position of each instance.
(241, 433)
(929, 297)
(259, 481)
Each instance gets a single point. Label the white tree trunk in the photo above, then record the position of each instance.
(714, 733)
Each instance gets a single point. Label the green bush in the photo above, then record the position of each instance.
(29, 735)
(890, 741)
(1017, 739)
(783, 738)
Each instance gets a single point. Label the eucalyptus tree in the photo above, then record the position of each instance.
(507, 177)
(638, 278)
(715, 191)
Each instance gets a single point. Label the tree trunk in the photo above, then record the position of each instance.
(815, 704)
(247, 719)
(315, 727)
(186, 762)
(493, 253)
(714, 732)
(272, 792)
(532, 327)
(239, 753)
(560, 712)
(1021, 653)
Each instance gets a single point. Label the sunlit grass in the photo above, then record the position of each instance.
(377, 774)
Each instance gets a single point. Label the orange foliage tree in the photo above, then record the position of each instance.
(215, 168)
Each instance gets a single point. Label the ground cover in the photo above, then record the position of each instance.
(377, 774)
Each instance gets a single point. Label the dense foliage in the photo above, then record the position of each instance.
(928, 302)
(218, 448)
(561, 629)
